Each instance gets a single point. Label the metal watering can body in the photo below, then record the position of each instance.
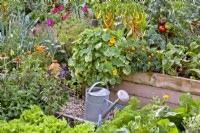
(96, 102)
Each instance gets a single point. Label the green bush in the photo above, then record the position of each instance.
(29, 85)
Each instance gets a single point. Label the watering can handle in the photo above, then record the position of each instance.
(94, 86)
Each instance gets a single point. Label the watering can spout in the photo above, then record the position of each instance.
(123, 96)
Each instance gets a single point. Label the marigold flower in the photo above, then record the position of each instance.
(85, 9)
(49, 22)
(133, 48)
(149, 56)
(152, 54)
(165, 96)
(148, 62)
(143, 49)
(115, 72)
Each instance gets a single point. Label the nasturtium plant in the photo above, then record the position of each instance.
(99, 55)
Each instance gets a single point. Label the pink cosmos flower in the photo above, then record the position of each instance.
(85, 9)
(54, 11)
(49, 22)
(63, 18)
(61, 7)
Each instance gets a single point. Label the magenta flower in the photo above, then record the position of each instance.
(61, 7)
(49, 22)
(63, 18)
(54, 11)
(68, 13)
(84, 9)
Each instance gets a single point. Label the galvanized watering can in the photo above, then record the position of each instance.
(97, 102)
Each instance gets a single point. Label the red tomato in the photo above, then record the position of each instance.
(162, 29)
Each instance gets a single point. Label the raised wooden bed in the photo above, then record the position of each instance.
(145, 86)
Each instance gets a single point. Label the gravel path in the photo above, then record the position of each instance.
(76, 108)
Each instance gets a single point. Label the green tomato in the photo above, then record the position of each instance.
(168, 26)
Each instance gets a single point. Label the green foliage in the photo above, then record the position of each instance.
(155, 118)
(68, 31)
(34, 120)
(98, 56)
(143, 57)
(180, 60)
(192, 124)
(29, 85)
(182, 16)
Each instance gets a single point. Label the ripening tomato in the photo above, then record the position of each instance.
(162, 29)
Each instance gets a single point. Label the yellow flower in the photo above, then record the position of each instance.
(143, 49)
(165, 96)
(149, 56)
(152, 54)
(112, 40)
(110, 44)
(115, 72)
(133, 48)
(148, 62)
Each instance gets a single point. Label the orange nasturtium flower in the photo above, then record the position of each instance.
(111, 42)
(115, 72)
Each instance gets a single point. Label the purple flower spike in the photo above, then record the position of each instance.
(54, 11)
(49, 22)
(61, 7)
(85, 9)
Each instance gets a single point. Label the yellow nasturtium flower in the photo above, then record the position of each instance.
(115, 72)
(112, 40)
